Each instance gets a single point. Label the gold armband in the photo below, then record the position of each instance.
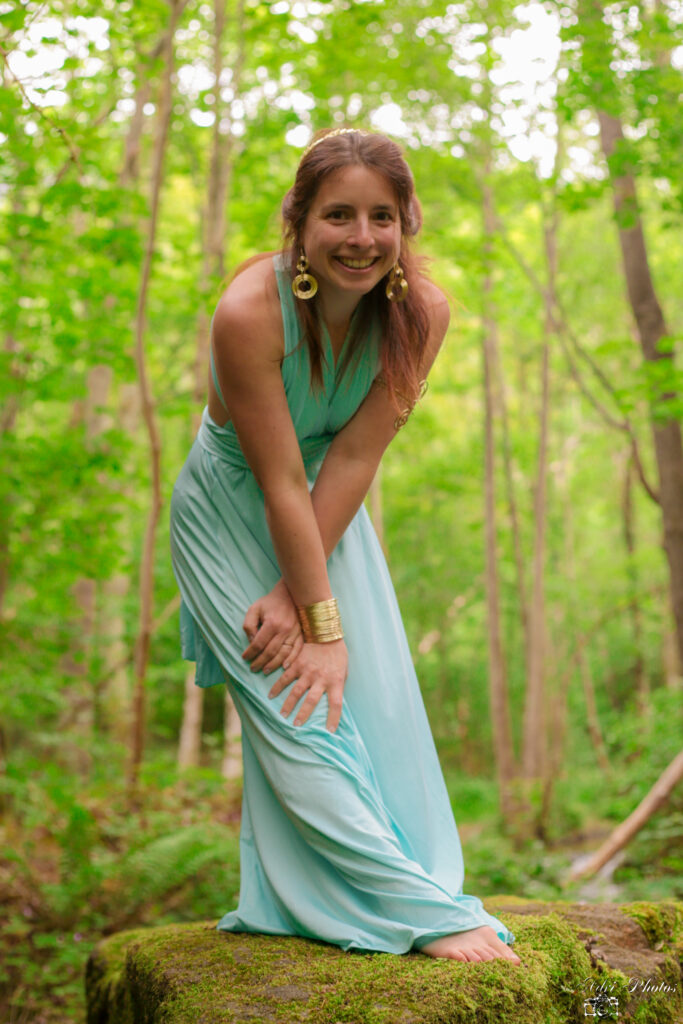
(402, 417)
(320, 622)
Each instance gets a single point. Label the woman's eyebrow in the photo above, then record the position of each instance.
(349, 206)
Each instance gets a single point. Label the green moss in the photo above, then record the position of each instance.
(661, 922)
(108, 996)
(193, 974)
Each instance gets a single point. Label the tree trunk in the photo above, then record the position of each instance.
(555, 721)
(80, 713)
(628, 517)
(130, 170)
(133, 141)
(651, 330)
(212, 269)
(114, 699)
(231, 767)
(191, 729)
(498, 690)
(582, 661)
(534, 735)
(673, 672)
(147, 567)
(116, 695)
(512, 503)
(623, 833)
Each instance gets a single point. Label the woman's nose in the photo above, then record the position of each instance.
(361, 235)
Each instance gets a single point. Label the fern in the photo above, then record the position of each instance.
(168, 862)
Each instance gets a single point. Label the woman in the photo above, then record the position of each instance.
(316, 355)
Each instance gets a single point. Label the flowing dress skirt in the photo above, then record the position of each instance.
(348, 837)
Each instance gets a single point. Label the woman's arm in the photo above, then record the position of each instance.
(355, 453)
(341, 485)
(248, 350)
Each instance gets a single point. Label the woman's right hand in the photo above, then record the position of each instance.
(318, 669)
(272, 625)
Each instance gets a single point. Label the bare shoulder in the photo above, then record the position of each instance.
(437, 306)
(439, 313)
(248, 313)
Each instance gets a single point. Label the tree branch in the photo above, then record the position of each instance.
(561, 327)
(73, 150)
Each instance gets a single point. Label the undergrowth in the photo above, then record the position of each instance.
(78, 863)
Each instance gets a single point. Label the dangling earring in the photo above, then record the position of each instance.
(304, 285)
(397, 286)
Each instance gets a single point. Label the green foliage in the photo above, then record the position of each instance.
(75, 485)
(78, 863)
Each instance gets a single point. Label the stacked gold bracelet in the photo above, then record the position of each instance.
(320, 622)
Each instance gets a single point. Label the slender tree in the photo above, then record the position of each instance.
(147, 405)
(534, 733)
(500, 711)
(629, 529)
(597, 58)
(215, 233)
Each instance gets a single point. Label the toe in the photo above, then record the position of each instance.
(485, 954)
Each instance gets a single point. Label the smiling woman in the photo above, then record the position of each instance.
(352, 238)
(360, 185)
(347, 832)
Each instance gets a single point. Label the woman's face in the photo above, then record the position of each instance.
(352, 234)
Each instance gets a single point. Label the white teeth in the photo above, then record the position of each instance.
(355, 264)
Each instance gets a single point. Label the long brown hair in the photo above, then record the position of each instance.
(404, 325)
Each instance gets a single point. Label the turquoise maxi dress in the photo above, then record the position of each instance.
(347, 837)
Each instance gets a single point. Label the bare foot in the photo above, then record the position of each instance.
(471, 946)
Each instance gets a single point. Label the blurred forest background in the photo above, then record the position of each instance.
(531, 510)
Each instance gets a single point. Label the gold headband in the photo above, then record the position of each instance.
(331, 135)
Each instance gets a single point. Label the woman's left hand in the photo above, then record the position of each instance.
(273, 628)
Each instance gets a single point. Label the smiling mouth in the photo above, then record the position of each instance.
(356, 264)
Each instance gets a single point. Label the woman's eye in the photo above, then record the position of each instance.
(337, 214)
(384, 215)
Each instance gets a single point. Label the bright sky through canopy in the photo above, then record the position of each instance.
(524, 77)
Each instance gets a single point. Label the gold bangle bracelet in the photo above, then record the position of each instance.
(320, 622)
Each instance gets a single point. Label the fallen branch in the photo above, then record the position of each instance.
(623, 833)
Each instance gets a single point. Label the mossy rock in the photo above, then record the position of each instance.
(570, 952)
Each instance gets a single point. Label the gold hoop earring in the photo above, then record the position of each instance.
(304, 285)
(397, 286)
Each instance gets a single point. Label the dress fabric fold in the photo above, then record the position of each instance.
(348, 837)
